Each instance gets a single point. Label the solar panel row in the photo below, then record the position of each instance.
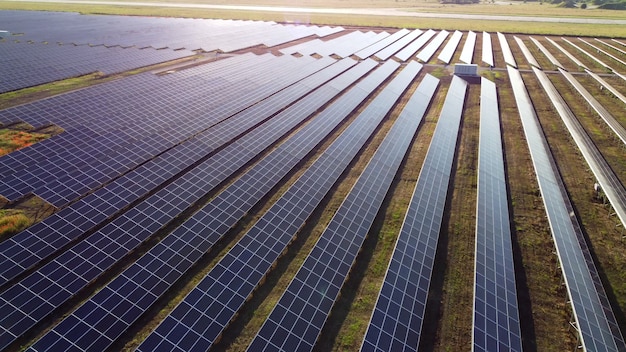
(620, 50)
(546, 52)
(600, 50)
(593, 315)
(142, 32)
(224, 290)
(62, 177)
(72, 270)
(527, 54)
(450, 48)
(487, 52)
(376, 47)
(567, 53)
(396, 46)
(606, 85)
(349, 48)
(608, 180)
(297, 319)
(496, 315)
(397, 319)
(506, 50)
(41, 240)
(144, 282)
(433, 46)
(25, 64)
(410, 50)
(468, 48)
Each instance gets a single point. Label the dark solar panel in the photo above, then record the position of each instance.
(593, 316)
(68, 273)
(252, 257)
(496, 315)
(196, 235)
(309, 298)
(397, 319)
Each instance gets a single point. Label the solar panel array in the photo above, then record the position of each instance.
(448, 51)
(594, 319)
(396, 46)
(300, 314)
(410, 50)
(527, 54)
(606, 85)
(220, 294)
(468, 48)
(496, 315)
(433, 46)
(153, 274)
(156, 32)
(600, 50)
(376, 47)
(608, 180)
(506, 50)
(112, 241)
(398, 316)
(620, 50)
(487, 52)
(546, 52)
(29, 64)
(567, 53)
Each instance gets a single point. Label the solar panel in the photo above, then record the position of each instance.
(593, 316)
(351, 47)
(433, 46)
(393, 48)
(468, 48)
(134, 186)
(496, 315)
(414, 46)
(197, 235)
(606, 85)
(608, 180)
(448, 51)
(252, 257)
(567, 53)
(397, 319)
(487, 49)
(587, 53)
(506, 50)
(297, 319)
(546, 52)
(600, 50)
(372, 49)
(527, 54)
(96, 253)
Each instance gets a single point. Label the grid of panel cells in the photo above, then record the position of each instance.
(61, 176)
(594, 318)
(433, 46)
(30, 64)
(496, 315)
(342, 46)
(414, 45)
(506, 50)
(297, 320)
(72, 270)
(608, 180)
(155, 32)
(397, 319)
(43, 239)
(374, 48)
(467, 53)
(208, 309)
(448, 51)
(130, 294)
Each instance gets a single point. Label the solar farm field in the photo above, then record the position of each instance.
(248, 185)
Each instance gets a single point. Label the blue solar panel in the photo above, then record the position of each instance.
(318, 282)
(252, 257)
(496, 315)
(396, 322)
(186, 245)
(594, 319)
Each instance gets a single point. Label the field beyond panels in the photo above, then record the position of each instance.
(234, 184)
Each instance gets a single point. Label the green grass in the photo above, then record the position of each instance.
(12, 222)
(598, 30)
